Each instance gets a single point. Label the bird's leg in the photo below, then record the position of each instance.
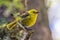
(21, 26)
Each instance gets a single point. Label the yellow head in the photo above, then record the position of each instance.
(33, 11)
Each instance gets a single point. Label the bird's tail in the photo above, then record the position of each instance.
(13, 24)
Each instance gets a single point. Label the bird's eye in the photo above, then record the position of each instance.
(35, 12)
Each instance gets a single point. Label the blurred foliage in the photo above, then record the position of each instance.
(12, 3)
(12, 6)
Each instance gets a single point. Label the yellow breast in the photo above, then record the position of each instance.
(33, 20)
(29, 22)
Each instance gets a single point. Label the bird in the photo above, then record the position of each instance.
(27, 20)
(30, 18)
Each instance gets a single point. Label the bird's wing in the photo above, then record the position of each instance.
(24, 16)
(25, 20)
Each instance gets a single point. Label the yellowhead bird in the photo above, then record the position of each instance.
(29, 19)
